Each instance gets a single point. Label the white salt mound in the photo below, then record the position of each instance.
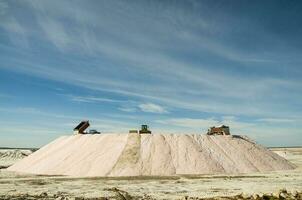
(10, 156)
(150, 155)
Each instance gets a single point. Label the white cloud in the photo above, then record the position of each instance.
(140, 51)
(3, 7)
(55, 32)
(127, 109)
(38, 131)
(190, 122)
(91, 99)
(18, 32)
(13, 26)
(277, 120)
(236, 126)
(152, 108)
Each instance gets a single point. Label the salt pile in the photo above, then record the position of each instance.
(150, 155)
(10, 156)
(14, 154)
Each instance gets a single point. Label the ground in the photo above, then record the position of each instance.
(32, 187)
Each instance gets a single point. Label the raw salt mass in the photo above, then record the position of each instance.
(14, 154)
(113, 155)
(10, 156)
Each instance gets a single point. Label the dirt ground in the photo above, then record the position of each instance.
(206, 186)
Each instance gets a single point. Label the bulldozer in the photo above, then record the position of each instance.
(144, 130)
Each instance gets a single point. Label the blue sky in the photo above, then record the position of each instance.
(179, 66)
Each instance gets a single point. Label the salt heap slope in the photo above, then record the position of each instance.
(150, 155)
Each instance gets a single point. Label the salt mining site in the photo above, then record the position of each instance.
(147, 165)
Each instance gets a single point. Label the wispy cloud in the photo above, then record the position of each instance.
(152, 108)
(52, 120)
(144, 55)
(205, 123)
(3, 7)
(92, 99)
(190, 122)
(128, 109)
(156, 57)
(278, 120)
(55, 32)
(18, 33)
